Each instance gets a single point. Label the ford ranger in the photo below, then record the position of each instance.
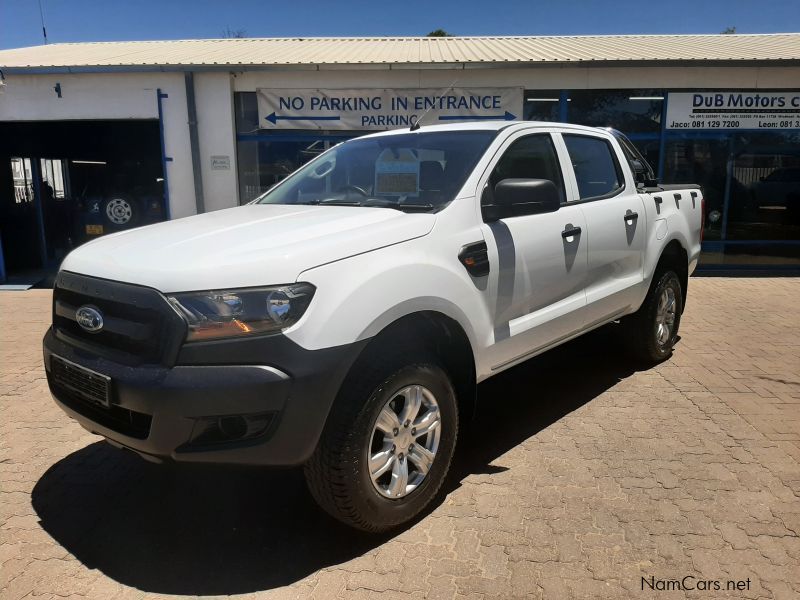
(342, 320)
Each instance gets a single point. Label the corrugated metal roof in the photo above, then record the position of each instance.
(265, 52)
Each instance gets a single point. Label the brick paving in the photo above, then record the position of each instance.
(580, 477)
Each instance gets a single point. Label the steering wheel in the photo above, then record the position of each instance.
(354, 188)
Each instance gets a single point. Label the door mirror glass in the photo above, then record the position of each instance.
(517, 197)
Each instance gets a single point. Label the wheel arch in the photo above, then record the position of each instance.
(674, 256)
(442, 335)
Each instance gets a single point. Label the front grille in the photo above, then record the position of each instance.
(87, 384)
(122, 420)
(139, 326)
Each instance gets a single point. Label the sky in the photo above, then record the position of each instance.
(93, 20)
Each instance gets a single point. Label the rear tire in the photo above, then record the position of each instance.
(652, 331)
(361, 437)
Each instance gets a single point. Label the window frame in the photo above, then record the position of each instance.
(556, 144)
(621, 174)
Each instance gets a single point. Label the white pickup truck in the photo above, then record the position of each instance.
(342, 320)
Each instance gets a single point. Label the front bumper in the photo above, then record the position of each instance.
(275, 409)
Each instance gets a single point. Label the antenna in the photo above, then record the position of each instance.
(416, 124)
(41, 14)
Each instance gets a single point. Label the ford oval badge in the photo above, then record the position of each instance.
(89, 318)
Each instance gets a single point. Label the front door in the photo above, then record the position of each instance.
(538, 288)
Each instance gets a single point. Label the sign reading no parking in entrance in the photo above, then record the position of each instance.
(354, 109)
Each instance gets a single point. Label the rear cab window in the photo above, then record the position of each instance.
(595, 164)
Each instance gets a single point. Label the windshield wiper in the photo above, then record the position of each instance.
(332, 202)
(371, 203)
(408, 207)
(338, 202)
(405, 206)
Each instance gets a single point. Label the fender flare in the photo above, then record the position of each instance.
(420, 305)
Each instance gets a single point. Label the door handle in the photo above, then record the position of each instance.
(570, 231)
(630, 216)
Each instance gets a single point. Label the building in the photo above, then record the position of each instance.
(97, 137)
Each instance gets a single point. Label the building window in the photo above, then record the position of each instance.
(751, 184)
(266, 157)
(246, 111)
(630, 111)
(264, 162)
(700, 159)
(541, 105)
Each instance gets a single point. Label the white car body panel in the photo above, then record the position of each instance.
(246, 246)
(372, 266)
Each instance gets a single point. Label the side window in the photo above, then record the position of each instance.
(595, 165)
(531, 157)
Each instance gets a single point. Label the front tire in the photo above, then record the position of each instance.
(652, 331)
(387, 445)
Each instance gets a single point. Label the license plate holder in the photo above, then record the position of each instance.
(89, 385)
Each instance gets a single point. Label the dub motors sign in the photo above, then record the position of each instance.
(733, 110)
(354, 109)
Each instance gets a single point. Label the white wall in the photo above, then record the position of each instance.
(89, 96)
(111, 96)
(217, 136)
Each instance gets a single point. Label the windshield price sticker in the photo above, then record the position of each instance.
(358, 109)
(397, 174)
(734, 110)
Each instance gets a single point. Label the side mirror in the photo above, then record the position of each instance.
(638, 168)
(642, 174)
(517, 197)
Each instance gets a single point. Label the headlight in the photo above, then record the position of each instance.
(232, 313)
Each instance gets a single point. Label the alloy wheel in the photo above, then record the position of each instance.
(404, 442)
(665, 317)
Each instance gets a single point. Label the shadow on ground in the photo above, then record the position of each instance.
(215, 531)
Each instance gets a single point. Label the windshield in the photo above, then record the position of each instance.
(414, 172)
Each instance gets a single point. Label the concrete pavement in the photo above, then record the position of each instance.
(581, 477)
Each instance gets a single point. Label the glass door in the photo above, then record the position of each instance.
(702, 159)
(763, 206)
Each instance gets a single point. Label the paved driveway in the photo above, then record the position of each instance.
(581, 477)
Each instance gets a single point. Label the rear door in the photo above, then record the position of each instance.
(537, 291)
(615, 216)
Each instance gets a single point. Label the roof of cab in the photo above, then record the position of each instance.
(486, 126)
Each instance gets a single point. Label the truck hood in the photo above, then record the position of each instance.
(252, 245)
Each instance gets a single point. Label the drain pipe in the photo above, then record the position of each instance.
(191, 110)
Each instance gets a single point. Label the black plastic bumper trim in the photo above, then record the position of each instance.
(299, 388)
